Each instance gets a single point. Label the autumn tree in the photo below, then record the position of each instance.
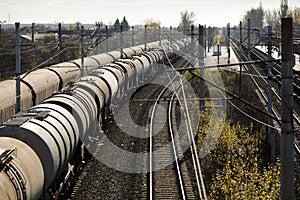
(76, 26)
(272, 18)
(296, 15)
(187, 19)
(256, 15)
(151, 23)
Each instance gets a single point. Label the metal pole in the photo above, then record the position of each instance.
(249, 66)
(60, 42)
(159, 33)
(271, 137)
(193, 53)
(201, 44)
(208, 38)
(204, 40)
(121, 40)
(287, 134)
(201, 63)
(82, 51)
(32, 41)
(219, 51)
(106, 39)
(192, 42)
(18, 68)
(32, 33)
(170, 34)
(1, 37)
(145, 37)
(132, 36)
(98, 38)
(228, 42)
(241, 58)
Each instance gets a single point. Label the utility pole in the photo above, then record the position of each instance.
(248, 65)
(60, 42)
(159, 33)
(228, 42)
(98, 37)
(271, 137)
(193, 53)
(121, 40)
(192, 43)
(18, 68)
(82, 51)
(201, 63)
(32, 34)
(132, 36)
(204, 40)
(33, 39)
(287, 133)
(208, 38)
(219, 51)
(170, 35)
(145, 37)
(241, 57)
(106, 39)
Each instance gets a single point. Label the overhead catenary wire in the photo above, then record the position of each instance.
(234, 96)
(38, 66)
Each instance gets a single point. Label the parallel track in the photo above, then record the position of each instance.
(260, 80)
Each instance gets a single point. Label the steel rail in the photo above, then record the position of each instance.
(175, 148)
(151, 139)
(296, 146)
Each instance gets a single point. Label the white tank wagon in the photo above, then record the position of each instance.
(38, 146)
(43, 82)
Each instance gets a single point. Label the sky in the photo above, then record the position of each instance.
(208, 12)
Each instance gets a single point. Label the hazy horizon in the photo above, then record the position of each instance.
(208, 12)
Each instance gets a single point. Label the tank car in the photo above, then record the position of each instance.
(38, 146)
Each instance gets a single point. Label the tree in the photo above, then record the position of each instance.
(151, 23)
(296, 15)
(75, 27)
(256, 15)
(99, 24)
(125, 24)
(187, 19)
(284, 8)
(117, 25)
(272, 18)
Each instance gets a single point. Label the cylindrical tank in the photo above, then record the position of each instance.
(109, 79)
(22, 175)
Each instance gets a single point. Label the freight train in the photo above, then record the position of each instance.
(38, 85)
(40, 146)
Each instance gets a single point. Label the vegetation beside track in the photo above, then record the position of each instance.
(238, 166)
(236, 169)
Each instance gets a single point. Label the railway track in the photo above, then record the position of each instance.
(114, 184)
(259, 78)
(168, 176)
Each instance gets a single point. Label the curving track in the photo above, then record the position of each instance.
(168, 176)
